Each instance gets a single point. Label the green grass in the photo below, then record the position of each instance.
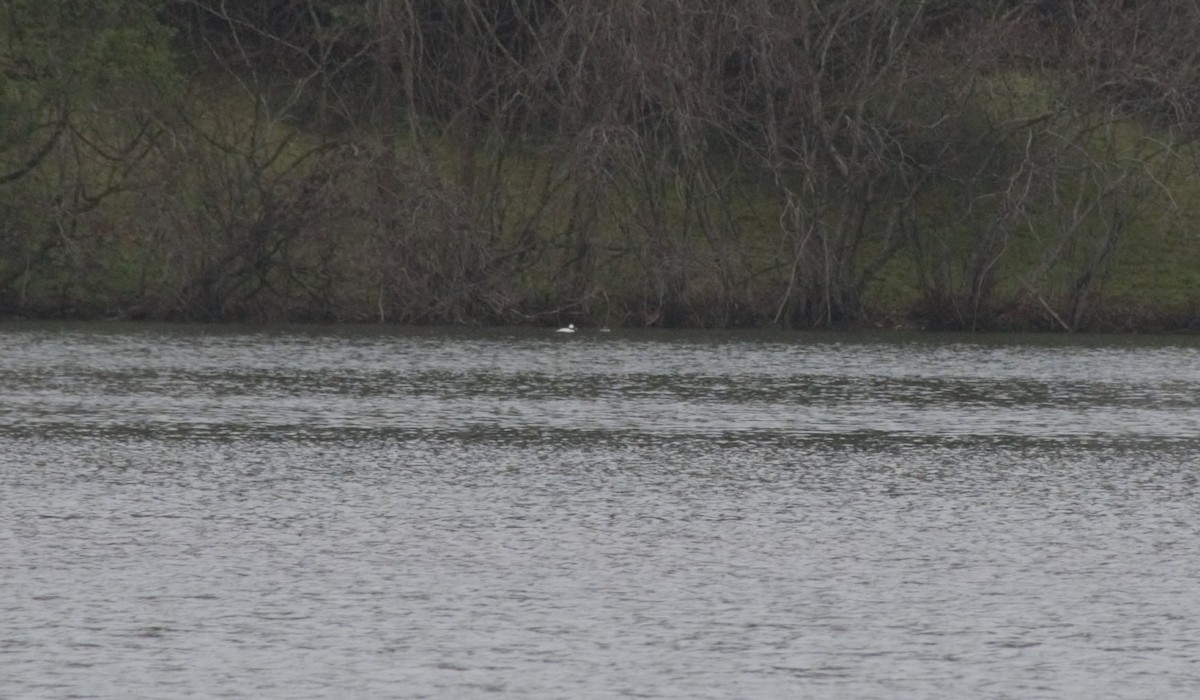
(711, 247)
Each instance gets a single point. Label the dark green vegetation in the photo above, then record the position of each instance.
(946, 164)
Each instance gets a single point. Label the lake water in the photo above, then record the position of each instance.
(366, 512)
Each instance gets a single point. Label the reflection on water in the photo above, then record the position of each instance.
(366, 513)
(291, 386)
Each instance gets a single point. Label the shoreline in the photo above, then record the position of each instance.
(1102, 321)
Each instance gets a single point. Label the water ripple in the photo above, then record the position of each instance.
(369, 513)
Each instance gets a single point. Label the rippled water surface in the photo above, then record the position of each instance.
(330, 513)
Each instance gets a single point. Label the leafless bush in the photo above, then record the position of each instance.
(702, 162)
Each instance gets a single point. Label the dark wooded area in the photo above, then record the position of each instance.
(1003, 164)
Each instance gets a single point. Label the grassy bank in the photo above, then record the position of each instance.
(828, 164)
(316, 233)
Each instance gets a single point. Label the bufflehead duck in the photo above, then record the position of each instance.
(570, 328)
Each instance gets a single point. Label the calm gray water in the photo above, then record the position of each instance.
(332, 513)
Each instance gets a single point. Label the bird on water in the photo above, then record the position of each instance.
(569, 328)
